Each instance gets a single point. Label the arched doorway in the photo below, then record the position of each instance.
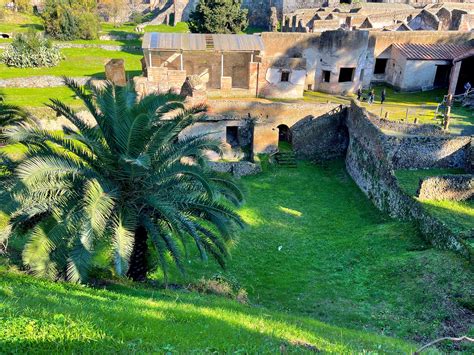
(284, 136)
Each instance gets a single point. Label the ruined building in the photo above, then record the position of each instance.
(283, 65)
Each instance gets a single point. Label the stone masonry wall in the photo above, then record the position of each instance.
(321, 138)
(372, 170)
(447, 187)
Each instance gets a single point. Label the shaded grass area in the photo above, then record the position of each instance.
(315, 246)
(79, 62)
(458, 215)
(421, 105)
(14, 22)
(42, 317)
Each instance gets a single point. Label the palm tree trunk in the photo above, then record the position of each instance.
(138, 267)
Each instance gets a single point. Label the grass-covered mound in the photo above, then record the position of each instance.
(38, 316)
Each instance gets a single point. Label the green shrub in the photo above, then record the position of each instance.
(70, 20)
(218, 16)
(31, 50)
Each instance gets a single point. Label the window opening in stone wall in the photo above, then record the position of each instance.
(285, 76)
(346, 75)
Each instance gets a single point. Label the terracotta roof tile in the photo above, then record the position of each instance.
(444, 51)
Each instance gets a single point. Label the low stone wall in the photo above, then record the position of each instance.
(371, 168)
(447, 187)
(427, 151)
(238, 168)
(407, 128)
(321, 138)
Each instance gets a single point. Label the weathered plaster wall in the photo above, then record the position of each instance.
(419, 74)
(340, 49)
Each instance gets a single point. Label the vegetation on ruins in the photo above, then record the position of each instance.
(117, 188)
(218, 16)
(71, 19)
(31, 50)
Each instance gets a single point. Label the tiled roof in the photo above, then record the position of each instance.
(202, 42)
(436, 51)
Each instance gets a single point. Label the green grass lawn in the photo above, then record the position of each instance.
(421, 105)
(37, 97)
(458, 215)
(320, 265)
(39, 316)
(315, 246)
(79, 62)
(19, 22)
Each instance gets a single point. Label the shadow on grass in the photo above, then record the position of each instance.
(43, 316)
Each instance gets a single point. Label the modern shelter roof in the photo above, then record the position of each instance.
(202, 42)
(436, 51)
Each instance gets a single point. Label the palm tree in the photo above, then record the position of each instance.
(10, 114)
(126, 181)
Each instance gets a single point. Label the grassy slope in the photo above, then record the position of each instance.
(341, 261)
(458, 215)
(39, 316)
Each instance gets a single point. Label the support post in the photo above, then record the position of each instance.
(222, 64)
(453, 77)
(149, 59)
(181, 65)
(447, 114)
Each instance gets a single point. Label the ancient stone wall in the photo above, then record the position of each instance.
(407, 152)
(447, 187)
(372, 170)
(321, 138)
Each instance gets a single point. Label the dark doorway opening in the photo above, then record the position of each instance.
(284, 134)
(232, 136)
(346, 75)
(380, 65)
(466, 74)
(326, 76)
(442, 76)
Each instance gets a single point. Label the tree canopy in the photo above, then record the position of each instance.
(218, 16)
(71, 19)
(124, 184)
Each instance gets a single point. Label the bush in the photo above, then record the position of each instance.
(31, 50)
(69, 20)
(218, 16)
